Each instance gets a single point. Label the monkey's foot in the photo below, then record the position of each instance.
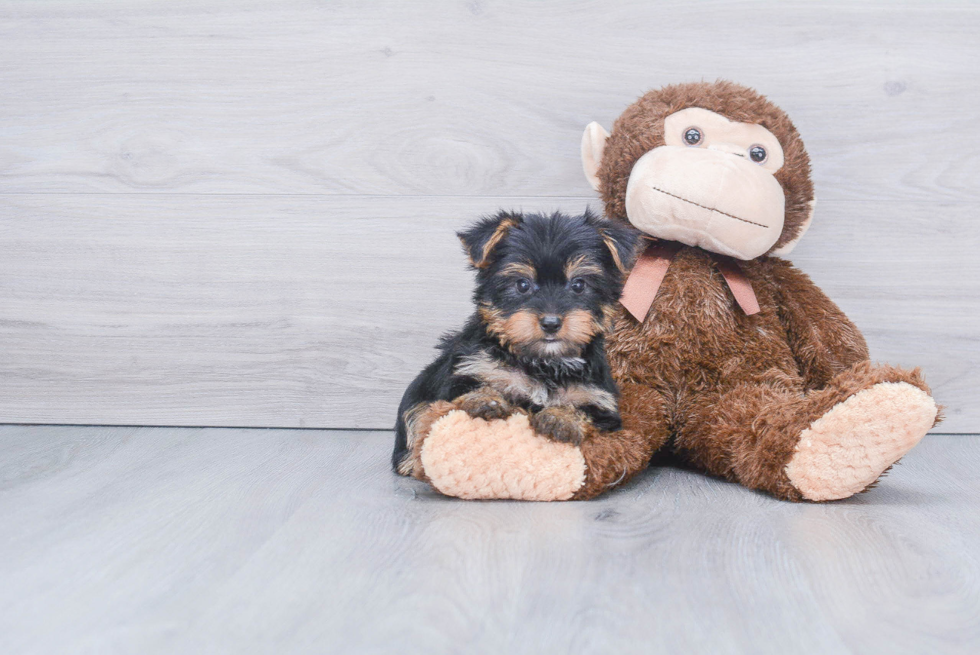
(850, 446)
(475, 459)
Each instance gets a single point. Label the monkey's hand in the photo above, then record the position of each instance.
(563, 424)
(484, 403)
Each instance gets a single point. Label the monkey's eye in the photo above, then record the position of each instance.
(523, 285)
(758, 154)
(692, 136)
(577, 285)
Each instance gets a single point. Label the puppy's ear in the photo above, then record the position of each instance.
(619, 238)
(481, 239)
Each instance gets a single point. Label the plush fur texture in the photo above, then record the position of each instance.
(820, 467)
(458, 462)
(641, 128)
(737, 391)
(786, 400)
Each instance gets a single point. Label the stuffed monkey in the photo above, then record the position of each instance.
(726, 356)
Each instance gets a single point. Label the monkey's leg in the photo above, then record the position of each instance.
(828, 444)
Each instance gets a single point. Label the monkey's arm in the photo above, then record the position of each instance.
(822, 338)
(613, 457)
(469, 458)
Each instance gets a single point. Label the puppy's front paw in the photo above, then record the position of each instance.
(485, 404)
(560, 424)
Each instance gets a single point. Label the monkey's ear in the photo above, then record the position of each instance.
(593, 143)
(621, 240)
(481, 238)
(787, 247)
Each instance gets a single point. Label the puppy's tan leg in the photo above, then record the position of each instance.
(418, 422)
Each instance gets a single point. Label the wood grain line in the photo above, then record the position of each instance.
(316, 312)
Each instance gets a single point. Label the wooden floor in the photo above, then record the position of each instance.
(164, 540)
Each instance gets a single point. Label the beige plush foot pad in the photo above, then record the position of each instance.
(847, 448)
(476, 459)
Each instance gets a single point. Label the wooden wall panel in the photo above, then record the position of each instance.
(242, 214)
(317, 311)
(464, 98)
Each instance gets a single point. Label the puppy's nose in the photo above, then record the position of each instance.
(550, 323)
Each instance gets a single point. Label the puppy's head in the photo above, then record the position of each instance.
(547, 285)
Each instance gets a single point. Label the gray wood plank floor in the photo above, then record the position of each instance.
(164, 540)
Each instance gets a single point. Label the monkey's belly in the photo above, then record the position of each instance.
(696, 338)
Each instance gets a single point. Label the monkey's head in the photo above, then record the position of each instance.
(713, 165)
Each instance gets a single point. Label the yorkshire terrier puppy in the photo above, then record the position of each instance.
(546, 288)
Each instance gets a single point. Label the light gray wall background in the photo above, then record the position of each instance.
(242, 213)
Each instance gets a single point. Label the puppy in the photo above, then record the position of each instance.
(546, 288)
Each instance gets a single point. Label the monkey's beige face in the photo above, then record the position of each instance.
(710, 185)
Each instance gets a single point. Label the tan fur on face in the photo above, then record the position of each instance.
(581, 265)
(579, 327)
(516, 332)
(522, 327)
(520, 269)
(522, 331)
(493, 319)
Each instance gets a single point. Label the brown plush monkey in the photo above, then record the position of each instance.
(725, 354)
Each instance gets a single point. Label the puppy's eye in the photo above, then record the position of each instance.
(523, 285)
(692, 136)
(577, 285)
(758, 154)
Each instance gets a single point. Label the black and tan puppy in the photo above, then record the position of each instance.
(546, 287)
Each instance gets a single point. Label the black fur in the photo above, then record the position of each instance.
(548, 244)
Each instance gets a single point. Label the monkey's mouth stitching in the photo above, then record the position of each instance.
(710, 209)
